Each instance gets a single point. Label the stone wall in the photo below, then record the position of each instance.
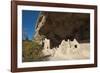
(66, 50)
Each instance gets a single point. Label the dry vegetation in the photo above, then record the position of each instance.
(31, 51)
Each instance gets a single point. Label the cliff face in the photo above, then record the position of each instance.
(59, 26)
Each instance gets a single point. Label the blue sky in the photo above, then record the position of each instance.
(29, 19)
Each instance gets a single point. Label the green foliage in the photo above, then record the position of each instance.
(32, 51)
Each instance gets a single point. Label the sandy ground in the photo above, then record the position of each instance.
(71, 53)
(85, 50)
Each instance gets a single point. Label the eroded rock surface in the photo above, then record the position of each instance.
(62, 26)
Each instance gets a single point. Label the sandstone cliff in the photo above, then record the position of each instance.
(62, 26)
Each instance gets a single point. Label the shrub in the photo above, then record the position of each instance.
(32, 51)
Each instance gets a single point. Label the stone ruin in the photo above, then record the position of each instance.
(66, 50)
(53, 27)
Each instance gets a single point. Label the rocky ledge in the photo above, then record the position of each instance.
(58, 26)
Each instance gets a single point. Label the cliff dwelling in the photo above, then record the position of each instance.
(58, 26)
(56, 36)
